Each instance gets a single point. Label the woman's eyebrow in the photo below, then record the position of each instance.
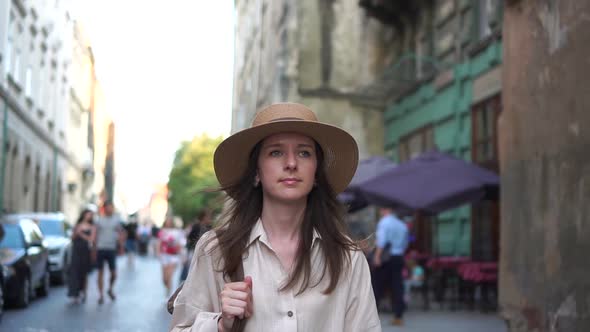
(273, 145)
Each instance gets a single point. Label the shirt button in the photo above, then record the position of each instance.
(290, 313)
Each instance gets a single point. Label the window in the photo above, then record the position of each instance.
(37, 190)
(28, 82)
(488, 20)
(47, 192)
(485, 231)
(12, 238)
(415, 143)
(40, 84)
(485, 216)
(484, 132)
(26, 175)
(16, 70)
(466, 34)
(53, 227)
(8, 57)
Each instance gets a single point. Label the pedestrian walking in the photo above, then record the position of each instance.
(201, 226)
(282, 259)
(391, 242)
(170, 243)
(154, 240)
(109, 241)
(83, 237)
(144, 234)
(131, 241)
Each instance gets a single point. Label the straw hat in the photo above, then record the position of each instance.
(340, 149)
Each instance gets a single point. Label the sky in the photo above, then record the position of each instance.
(166, 68)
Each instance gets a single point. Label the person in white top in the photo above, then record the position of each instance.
(110, 239)
(282, 259)
(170, 245)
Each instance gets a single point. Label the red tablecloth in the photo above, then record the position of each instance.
(479, 271)
(438, 263)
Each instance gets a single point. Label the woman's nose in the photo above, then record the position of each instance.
(291, 161)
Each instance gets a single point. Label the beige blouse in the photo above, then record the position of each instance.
(350, 307)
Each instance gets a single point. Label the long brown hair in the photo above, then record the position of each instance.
(324, 213)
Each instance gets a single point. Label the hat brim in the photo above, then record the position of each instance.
(339, 148)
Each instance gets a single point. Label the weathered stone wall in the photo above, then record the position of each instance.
(545, 161)
(314, 52)
(365, 125)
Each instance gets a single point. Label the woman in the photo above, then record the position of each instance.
(170, 243)
(83, 237)
(284, 230)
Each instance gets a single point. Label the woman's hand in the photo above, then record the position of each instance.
(236, 301)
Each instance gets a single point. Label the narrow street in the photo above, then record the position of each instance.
(140, 306)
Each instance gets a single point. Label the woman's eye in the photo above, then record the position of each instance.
(275, 153)
(305, 154)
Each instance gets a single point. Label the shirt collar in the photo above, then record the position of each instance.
(259, 233)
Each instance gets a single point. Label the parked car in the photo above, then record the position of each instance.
(3, 271)
(25, 260)
(56, 232)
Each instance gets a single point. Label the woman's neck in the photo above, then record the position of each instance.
(282, 221)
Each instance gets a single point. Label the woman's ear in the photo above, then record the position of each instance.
(256, 180)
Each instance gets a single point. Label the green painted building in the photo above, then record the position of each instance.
(444, 92)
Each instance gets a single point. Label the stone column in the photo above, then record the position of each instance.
(545, 162)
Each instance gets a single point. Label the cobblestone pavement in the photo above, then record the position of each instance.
(444, 320)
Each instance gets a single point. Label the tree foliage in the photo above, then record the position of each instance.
(192, 172)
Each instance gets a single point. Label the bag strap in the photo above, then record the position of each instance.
(170, 303)
(239, 324)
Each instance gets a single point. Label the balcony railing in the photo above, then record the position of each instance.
(398, 78)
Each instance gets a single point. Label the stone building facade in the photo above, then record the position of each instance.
(47, 107)
(79, 173)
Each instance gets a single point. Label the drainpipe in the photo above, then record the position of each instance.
(4, 154)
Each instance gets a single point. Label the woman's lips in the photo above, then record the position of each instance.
(290, 181)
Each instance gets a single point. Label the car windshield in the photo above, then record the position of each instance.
(12, 237)
(52, 227)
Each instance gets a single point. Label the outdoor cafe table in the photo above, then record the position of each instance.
(443, 273)
(482, 275)
(478, 272)
(445, 263)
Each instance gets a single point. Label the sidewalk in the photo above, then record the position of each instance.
(444, 320)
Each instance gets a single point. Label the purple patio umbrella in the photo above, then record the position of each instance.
(367, 169)
(432, 182)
